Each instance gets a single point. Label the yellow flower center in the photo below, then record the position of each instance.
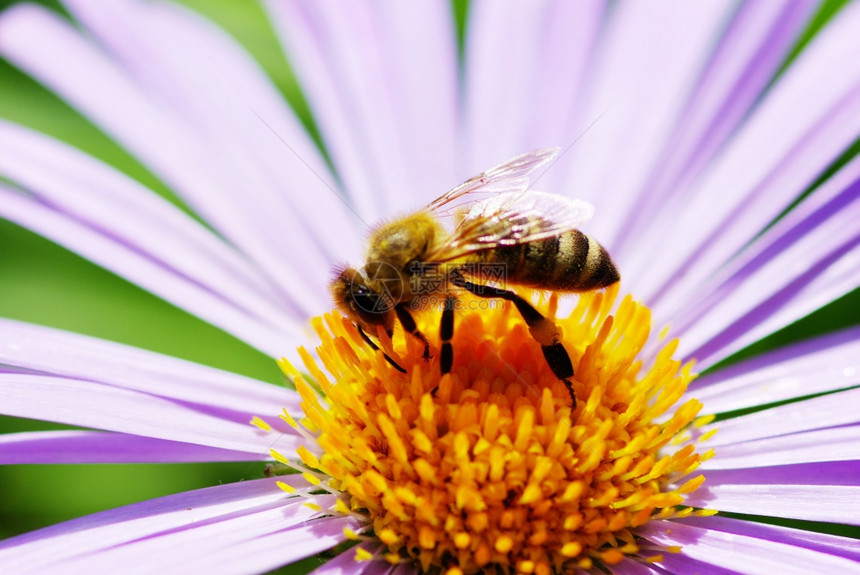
(488, 464)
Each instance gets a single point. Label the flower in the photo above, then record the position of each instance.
(690, 138)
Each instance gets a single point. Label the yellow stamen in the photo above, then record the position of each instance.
(489, 464)
(257, 422)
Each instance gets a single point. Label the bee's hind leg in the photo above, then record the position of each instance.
(375, 347)
(542, 329)
(409, 325)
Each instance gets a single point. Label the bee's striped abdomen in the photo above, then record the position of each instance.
(569, 262)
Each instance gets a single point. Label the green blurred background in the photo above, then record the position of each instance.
(45, 284)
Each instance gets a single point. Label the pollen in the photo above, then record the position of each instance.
(490, 466)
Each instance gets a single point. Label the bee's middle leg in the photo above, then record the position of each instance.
(543, 330)
(409, 325)
(446, 333)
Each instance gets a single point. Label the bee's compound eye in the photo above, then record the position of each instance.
(368, 301)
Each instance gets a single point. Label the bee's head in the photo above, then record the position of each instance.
(357, 300)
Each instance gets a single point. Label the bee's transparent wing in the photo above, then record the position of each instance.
(510, 177)
(510, 219)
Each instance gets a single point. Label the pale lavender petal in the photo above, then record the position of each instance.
(252, 543)
(682, 563)
(767, 287)
(345, 563)
(822, 364)
(419, 43)
(820, 412)
(807, 491)
(173, 52)
(64, 447)
(502, 45)
(632, 567)
(746, 58)
(832, 444)
(341, 53)
(821, 542)
(566, 39)
(743, 553)
(88, 404)
(637, 88)
(179, 528)
(122, 211)
(831, 503)
(153, 516)
(51, 351)
(46, 46)
(125, 261)
(738, 197)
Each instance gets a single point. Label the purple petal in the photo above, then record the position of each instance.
(59, 447)
(821, 542)
(500, 79)
(88, 404)
(155, 515)
(92, 209)
(681, 563)
(631, 567)
(171, 52)
(811, 492)
(745, 554)
(754, 44)
(637, 88)
(815, 108)
(345, 563)
(208, 526)
(250, 544)
(90, 244)
(765, 288)
(53, 352)
(56, 53)
(832, 444)
(565, 41)
(342, 54)
(820, 412)
(422, 61)
(818, 365)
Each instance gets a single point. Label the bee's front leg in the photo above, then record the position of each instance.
(409, 325)
(375, 347)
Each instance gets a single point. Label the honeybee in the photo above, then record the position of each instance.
(503, 232)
